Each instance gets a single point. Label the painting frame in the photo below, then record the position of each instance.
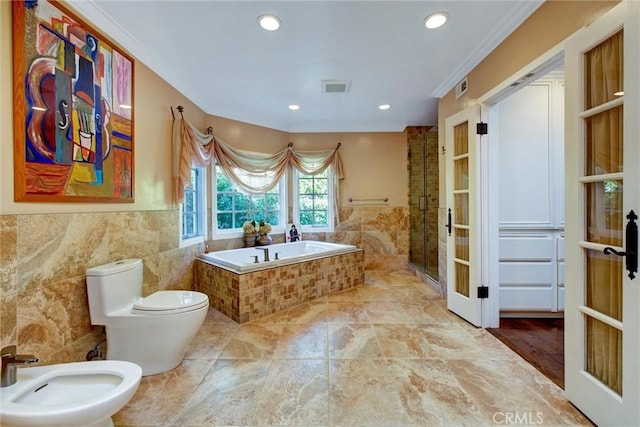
(73, 109)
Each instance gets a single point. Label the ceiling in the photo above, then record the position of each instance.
(215, 53)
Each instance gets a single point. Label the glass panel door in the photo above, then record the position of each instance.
(463, 269)
(603, 183)
(423, 199)
(602, 343)
(417, 193)
(461, 207)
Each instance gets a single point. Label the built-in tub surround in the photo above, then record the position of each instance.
(245, 296)
(257, 258)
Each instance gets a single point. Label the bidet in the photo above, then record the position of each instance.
(69, 394)
(10, 361)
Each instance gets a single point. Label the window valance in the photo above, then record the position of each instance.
(253, 173)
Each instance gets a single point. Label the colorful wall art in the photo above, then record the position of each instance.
(73, 109)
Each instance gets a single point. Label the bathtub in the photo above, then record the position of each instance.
(244, 290)
(243, 260)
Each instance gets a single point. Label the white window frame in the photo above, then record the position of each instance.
(201, 211)
(237, 232)
(330, 205)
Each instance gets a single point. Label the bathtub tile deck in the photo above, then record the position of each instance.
(254, 295)
(387, 353)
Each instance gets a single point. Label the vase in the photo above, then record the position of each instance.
(263, 240)
(249, 240)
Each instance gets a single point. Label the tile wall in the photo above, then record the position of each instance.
(43, 299)
(43, 258)
(382, 231)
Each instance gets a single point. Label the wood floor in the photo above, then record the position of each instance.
(539, 341)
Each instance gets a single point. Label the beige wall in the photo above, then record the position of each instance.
(552, 23)
(375, 164)
(45, 248)
(365, 156)
(153, 119)
(245, 136)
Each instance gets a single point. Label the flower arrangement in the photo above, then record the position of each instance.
(250, 227)
(255, 227)
(264, 228)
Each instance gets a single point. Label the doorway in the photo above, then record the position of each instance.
(528, 165)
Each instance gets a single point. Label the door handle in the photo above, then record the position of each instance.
(449, 225)
(631, 253)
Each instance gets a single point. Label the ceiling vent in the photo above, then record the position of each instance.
(336, 86)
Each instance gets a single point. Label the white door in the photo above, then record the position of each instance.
(462, 201)
(602, 322)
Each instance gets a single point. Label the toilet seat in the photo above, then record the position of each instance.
(170, 302)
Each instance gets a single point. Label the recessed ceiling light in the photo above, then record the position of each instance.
(435, 20)
(384, 106)
(294, 107)
(269, 22)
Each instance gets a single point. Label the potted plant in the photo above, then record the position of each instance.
(250, 229)
(264, 228)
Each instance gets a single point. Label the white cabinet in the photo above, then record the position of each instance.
(532, 271)
(531, 201)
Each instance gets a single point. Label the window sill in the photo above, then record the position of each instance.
(239, 234)
(191, 241)
(317, 230)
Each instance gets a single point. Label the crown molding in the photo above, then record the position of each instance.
(93, 13)
(493, 40)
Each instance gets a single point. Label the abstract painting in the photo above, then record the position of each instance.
(73, 109)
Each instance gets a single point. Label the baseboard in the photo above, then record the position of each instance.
(435, 285)
(532, 314)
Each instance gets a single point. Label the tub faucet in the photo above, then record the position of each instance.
(266, 253)
(10, 361)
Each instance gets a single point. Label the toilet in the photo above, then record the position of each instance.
(152, 332)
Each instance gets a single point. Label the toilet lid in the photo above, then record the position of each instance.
(164, 302)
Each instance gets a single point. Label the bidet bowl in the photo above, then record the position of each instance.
(69, 394)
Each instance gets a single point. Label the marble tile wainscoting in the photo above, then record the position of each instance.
(250, 296)
(43, 258)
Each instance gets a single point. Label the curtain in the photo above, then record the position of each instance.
(604, 294)
(253, 173)
(190, 147)
(604, 274)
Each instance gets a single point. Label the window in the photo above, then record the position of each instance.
(233, 207)
(192, 209)
(314, 201)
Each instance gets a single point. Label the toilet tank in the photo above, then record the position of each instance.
(112, 287)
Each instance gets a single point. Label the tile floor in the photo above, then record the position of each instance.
(387, 353)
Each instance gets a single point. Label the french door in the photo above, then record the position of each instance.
(602, 161)
(462, 165)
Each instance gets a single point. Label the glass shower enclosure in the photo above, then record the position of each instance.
(423, 199)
